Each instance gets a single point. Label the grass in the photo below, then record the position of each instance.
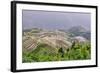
(44, 52)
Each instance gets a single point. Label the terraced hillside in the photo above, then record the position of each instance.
(40, 45)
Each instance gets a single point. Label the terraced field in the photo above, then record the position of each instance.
(51, 46)
(29, 43)
(55, 41)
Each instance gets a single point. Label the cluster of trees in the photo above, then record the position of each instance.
(78, 51)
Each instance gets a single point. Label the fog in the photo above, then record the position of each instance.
(54, 20)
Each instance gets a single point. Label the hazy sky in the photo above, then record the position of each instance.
(55, 20)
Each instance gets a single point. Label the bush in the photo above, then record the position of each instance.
(79, 51)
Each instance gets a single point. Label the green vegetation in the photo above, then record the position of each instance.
(44, 52)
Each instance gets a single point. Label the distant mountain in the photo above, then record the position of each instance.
(77, 29)
(32, 29)
(80, 31)
(26, 30)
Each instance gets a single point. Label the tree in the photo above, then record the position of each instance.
(61, 51)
